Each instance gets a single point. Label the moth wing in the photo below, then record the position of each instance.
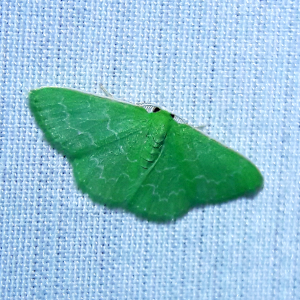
(77, 123)
(111, 174)
(193, 170)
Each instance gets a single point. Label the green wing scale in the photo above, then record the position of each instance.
(146, 163)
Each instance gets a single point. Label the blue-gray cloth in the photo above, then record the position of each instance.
(230, 65)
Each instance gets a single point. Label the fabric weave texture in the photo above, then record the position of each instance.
(230, 65)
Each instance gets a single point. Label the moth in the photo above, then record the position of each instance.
(144, 162)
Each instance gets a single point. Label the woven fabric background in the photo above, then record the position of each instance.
(231, 65)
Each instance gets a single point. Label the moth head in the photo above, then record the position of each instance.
(155, 109)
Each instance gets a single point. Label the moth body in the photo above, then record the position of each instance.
(144, 162)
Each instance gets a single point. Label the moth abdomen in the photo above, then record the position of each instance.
(149, 154)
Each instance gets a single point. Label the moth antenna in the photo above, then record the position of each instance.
(107, 94)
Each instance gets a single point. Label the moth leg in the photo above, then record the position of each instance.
(199, 128)
(107, 94)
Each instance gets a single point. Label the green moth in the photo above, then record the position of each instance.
(144, 162)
